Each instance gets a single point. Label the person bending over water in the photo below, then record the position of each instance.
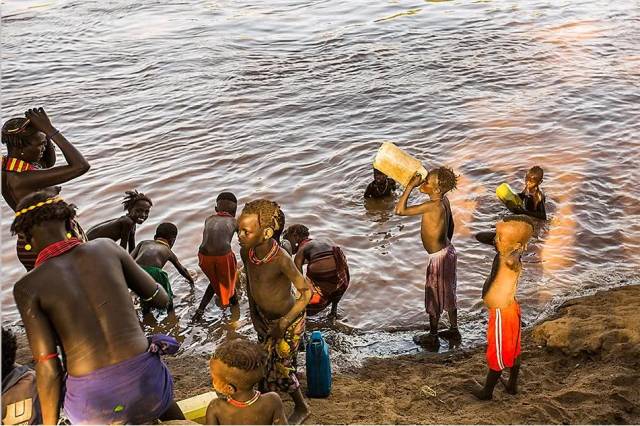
(236, 367)
(382, 186)
(152, 255)
(436, 233)
(29, 165)
(77, 297)
(123, 229)
(327, 269)
(277, 315)
(215, 257)
(499, 295)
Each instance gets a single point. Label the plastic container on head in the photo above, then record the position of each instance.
(397, 164)
(318, 367)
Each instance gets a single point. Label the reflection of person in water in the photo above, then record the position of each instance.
(327, 269)
(382, 186)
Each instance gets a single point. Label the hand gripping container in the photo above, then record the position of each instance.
(397, 164)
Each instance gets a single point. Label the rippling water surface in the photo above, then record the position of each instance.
(290, 101)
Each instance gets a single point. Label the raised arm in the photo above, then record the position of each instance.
(76, 163)
(402, 209)
(140, 282)
(49, 156)
(42, 340)
(486, 237)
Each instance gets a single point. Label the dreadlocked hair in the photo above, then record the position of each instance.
(268, 212)
(59, 210)
(447, 180)
(242, 354)
(9, 349)
(132, 197)
(19, 139)
(297, 231)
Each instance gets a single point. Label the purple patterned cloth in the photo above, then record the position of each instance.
(440, 286)
(134, 391)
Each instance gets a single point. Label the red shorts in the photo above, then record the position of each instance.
(503, 336)
(222, 272)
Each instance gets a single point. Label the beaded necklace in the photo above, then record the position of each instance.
(245, 404)
(273, 253)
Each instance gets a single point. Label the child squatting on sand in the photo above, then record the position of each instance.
(436, 233)
(236, 368)
(499, 295)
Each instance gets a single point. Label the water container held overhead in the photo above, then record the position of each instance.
(397, 164)
(318, 367)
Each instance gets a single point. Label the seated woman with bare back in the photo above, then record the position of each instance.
(29, 165)
(123, 229)
(77, 297)
(327, 269)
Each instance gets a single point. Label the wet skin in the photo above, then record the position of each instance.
(382, 186)
(217, 235)
(122, 229)
(437, 221)
(270, 292)
(155, 253)
(16, 186)
(80, 301)
(499, 289)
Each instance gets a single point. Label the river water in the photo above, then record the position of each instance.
(289, 101)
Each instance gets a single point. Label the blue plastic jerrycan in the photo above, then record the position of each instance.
(318, 367)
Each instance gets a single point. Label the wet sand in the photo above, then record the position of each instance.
(581, 365)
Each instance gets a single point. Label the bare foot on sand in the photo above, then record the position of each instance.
(513, 390)
(427, 340)
(481, 394)
(299, 415)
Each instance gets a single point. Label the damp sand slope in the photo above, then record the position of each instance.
(582, 365)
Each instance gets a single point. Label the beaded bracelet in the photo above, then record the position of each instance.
(57, 132)
(153, 295)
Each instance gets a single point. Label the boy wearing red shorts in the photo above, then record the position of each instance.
(498, 293)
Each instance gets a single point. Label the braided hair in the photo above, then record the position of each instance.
(132, 197)
(17, 140)
(268, 212)
(59, 210)
(242, 354)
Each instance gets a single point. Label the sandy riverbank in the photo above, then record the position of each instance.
(582, 365)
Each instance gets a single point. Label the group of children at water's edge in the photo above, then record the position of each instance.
(80, 319)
